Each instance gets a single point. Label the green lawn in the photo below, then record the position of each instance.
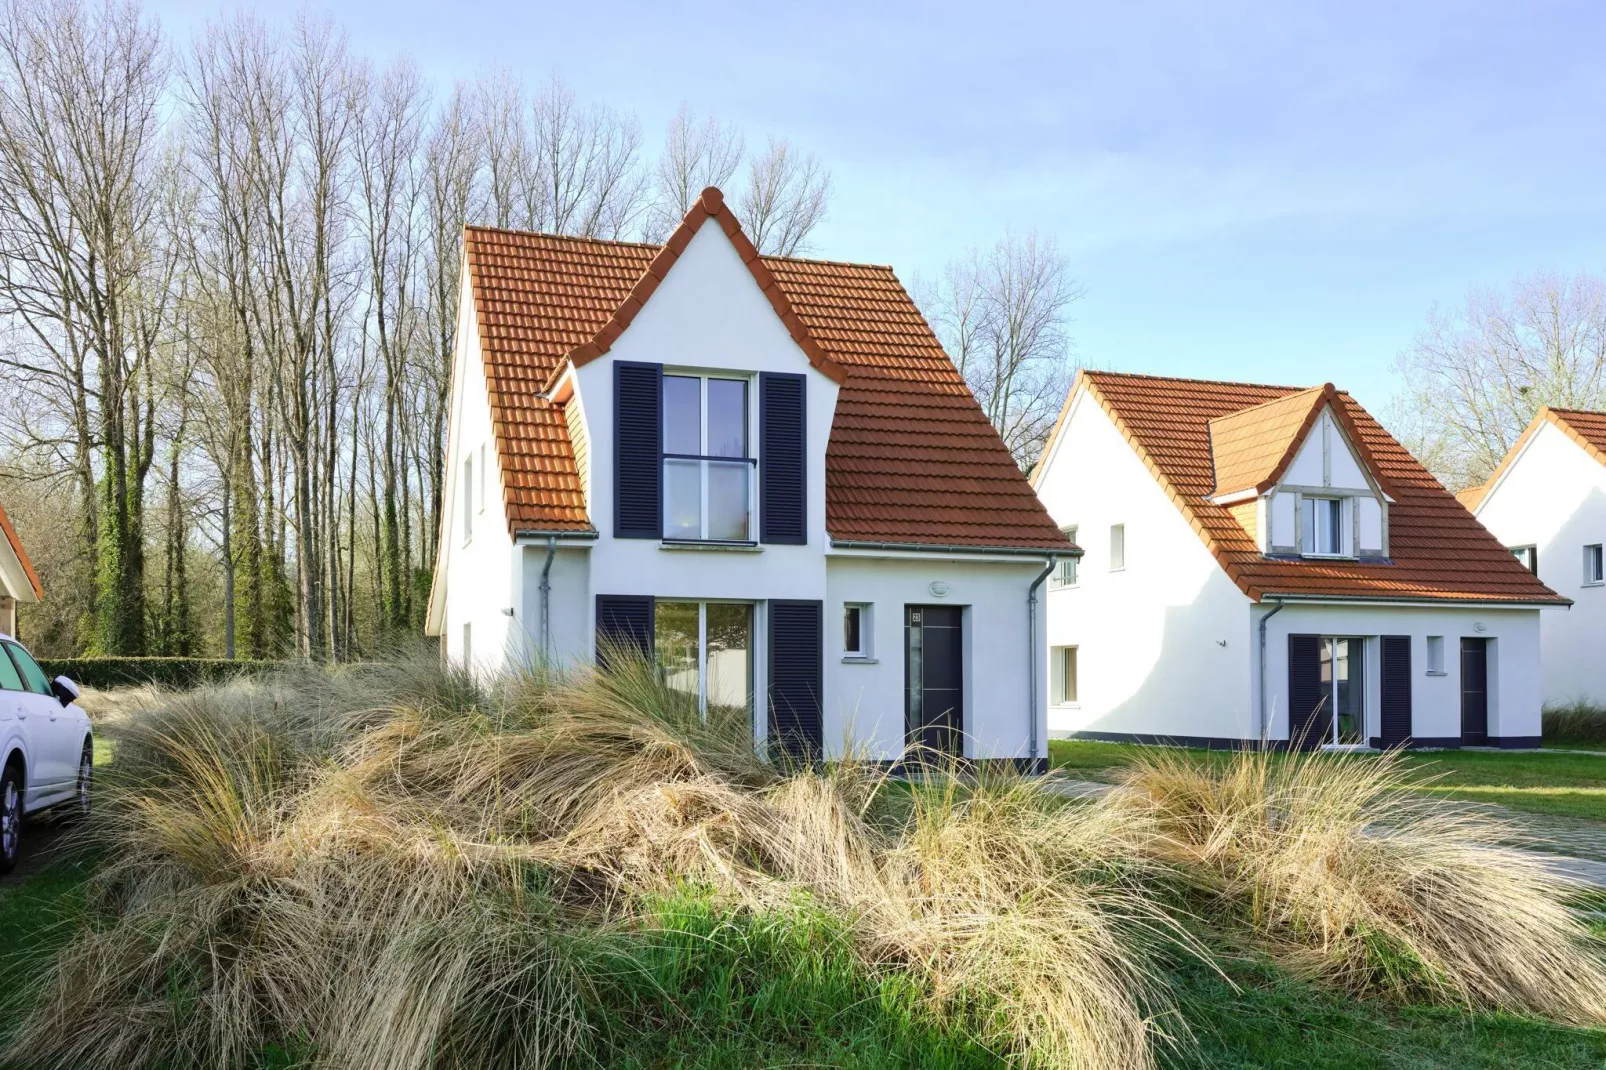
(1570, 785)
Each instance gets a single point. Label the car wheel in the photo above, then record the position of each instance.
(10, 817)
(86, 774)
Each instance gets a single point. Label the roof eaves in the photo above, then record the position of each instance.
(22, 555)
(710, 204)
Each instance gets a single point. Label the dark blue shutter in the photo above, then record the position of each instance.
(624, 621)
(797, 656)
(782, 458)
(1306, 701)
(1395, 716)
(638, 438)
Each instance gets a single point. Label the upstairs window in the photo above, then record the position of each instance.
(1529, 556)
(1117, 547)
(1594, 572)
(1065, 571)
(1322, 526)
(708, 472)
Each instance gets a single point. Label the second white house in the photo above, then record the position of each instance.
(1267, 563)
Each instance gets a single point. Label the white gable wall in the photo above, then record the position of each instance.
(481, 565)
(1553, 496)
(1160, 643)
(708, 314)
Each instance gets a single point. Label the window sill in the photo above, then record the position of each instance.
(1328, 557)
(859, 659)
(1064, 705)
(1440, 672)
(698, 544)
(1594, 583)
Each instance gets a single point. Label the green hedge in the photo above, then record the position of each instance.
(167, 672)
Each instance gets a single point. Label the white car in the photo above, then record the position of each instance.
(46, 750)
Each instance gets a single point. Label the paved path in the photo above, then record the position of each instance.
(1584, 842)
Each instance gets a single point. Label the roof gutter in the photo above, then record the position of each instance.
(950, 548)
(1422, 600)
(544, 536)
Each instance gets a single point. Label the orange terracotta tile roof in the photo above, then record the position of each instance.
(22, 555)
(1252, 447)
(911, 459)
(1586, 428)
(1437, 550)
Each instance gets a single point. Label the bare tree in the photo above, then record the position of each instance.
(1475, 375)
(84, 267)
(696, 155)
(785, 199)
(1003, 317)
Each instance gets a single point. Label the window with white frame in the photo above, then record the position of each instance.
(468, 645)
(1528, 555)
(1322, 526)
(1064, 574)
(1117, 547)
(856, 631)
(704, 651)
(1062, 669)
(709, 472)
(481, 508)
(1594, 566)
(1435, 655)
(468, 498)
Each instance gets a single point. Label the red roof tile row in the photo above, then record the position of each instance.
(1436, 549)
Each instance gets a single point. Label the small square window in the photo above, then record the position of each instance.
(1529, 556)
(1065, 571)
(856, 630)
(1435, 655)
(1063, 670)
(1594, 566)
(1117, 547)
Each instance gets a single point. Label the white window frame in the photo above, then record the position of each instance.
(752, 460)
(481, 508)
(866, 651)
(1118, 541)
(468, 644)
(1435, 654)
(1064, 574)
(1594, 565)
(1528, 555)
(1057, 687)
(702, 651)
(1345, 536)
(1330, 644)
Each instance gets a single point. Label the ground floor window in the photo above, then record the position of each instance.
(1062, 669)
(704, 650)
(1344, 688)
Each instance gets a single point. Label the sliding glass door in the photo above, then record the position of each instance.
(1344, 690)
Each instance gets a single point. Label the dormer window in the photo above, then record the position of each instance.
(1322, 527)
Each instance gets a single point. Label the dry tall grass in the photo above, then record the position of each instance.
(1354, 877)
(1575, 722)
(393, 869)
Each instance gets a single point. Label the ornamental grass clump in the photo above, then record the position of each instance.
(398, 867)
(1352, 873)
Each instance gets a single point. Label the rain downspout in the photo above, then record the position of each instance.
(546, 598)
(1264, 728)
(1031, 661)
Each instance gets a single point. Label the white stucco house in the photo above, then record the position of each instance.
(1547, 504)
(764, 473)
(1267, 563)
(18, 581)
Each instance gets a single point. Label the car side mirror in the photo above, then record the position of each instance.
(64, 690)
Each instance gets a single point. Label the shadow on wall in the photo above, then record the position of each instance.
(1193, 687)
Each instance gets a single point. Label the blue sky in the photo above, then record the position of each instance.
(1274, 192)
